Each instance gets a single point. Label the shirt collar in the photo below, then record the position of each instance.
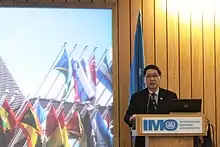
(157, 92)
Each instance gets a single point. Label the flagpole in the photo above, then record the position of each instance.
(100, 62)
(104, 114)
(47, 106)
(58, 74)
(50, 69)
(101, 95)
(59, 108)
(50, 102)
(75, 143)
(83, 111)
(93, 53)
(98, 65)
(23, 106)
(17, 115)
(71, 112)
(48, 92)
(83, 52)
(13, 97)
(68, 93)
(102, 91)
(102, 58)
(63, 100)
(109, 100)
(74, 83)
(99, 80)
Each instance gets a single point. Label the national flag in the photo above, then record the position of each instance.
(30, 125)
(110, 67)
(104, 137)
(75, 78)
(42, 116)
(61, 119)
(65, 67)
(104, 74)
(85, 67)
(92, 69)
(87, 128)
(7, 117)
(108, 119)
(53, 129)
(41, 113)
(74, 126)
(137, 65)
(83, 88)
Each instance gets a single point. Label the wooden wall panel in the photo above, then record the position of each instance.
(217, 64)
(172, 48)
(98, 1)
(209, 66)
(184, 45)
(184, 54)
(161, 39)
(111, 1)
(115, 77)
(197, 54)
(85, 1)
(148, 31)
(124, 67)
(135, 8)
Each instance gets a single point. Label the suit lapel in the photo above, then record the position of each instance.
(146, 97)
(160, 96)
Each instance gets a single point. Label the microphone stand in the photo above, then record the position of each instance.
(133, 122)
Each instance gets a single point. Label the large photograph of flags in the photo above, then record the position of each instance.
(56, 77)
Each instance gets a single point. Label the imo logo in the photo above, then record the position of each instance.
(160, 125)
(170, 124)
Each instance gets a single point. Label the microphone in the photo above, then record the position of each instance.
(148, 102)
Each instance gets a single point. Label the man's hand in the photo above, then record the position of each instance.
(133, 117)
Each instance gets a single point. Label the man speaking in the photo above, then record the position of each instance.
(151, 100)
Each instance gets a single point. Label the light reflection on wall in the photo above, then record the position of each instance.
(194, 9)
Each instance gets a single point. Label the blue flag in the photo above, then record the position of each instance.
(137, 65)
(104, 74)
(41, 113)
(65, 67)
(105, 138)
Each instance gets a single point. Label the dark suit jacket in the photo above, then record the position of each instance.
(139, 104)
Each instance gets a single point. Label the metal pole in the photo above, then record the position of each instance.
(49, 70)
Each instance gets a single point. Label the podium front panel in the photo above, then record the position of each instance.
(170, 125)
(171, 141)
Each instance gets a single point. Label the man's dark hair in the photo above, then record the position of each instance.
(151, 66)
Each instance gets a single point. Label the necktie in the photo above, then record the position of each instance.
(154, 103)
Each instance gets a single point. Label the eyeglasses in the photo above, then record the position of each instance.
(152, 76)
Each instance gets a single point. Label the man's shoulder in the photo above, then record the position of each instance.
(167, 91)
(140, 93)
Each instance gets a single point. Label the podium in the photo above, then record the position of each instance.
(170, 130)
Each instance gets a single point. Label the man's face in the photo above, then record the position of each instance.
(152, 79)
